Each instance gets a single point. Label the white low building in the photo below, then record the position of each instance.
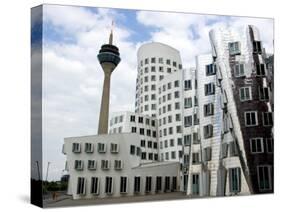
(110, 165)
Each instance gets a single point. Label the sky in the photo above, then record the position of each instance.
(72, 76)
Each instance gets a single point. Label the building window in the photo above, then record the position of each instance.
(114, 148)
(89, 148)
(234, 48)
(187, 85)
(118, 165)
(188, 102)
(167, 183)
(210, 69)
(132, 118)
(158, 183)
(132, 149)
(260, 69)
(95, 185)
(234, 180)
(137, 184)
(81, 185)
(154, 134)
(208, 153)
(195, 184)
(177, 94)
(92, 165)
(176, 83)
(173, 155)
(76, 147)
(105, 164)
(101, 148)
(264, 93)
(233, 150)
(155, 145)
(177, 105)
(178, 128)
(150, 156)
(256, 145)
(185, 159)
(195, 119)
(146, 61)
(78, 165)
(168, 62)
(257, 47)
(208, 131)
(245, 94)
(167, 155)
(188, 121)
(187, 140)
(134, 129)
(148, 183)
(209, 89)
(169, 70)
(160, 60)
(195, 158)
(239, 70)
(153, 60)
(149, 144)
(174, 64)
(209, 109)
(264, 177)
(108, 185)
(142, 131)
(251, 118)
(267, 118)
(142, 143)
(138, 151)
(195, 138)
(269, 145)
(123, 184)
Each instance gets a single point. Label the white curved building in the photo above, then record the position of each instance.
(155, 60)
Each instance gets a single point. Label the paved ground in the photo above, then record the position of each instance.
(65, 201)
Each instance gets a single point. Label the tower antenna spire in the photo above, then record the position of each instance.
(111, 33)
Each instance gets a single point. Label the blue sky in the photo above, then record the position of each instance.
(72, 76)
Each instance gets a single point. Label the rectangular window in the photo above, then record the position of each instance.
(257, 47)
(105, 164)
(234, 180)
(101, 148)
(148, 183)
(187, 85)
(209, 89)
(142, 143)
(239, 70)
(269, 145)
(150, 156)
(92, 165)
(132, 118)
(137, 181)
(234, 48)
(233, 149)
(264, 177)
(187, 140)
(114, 148)
(208, 153)
(158, 183)
(209, 109)
(195, 138)
(138, 151)
(142, 131)
(195, 158)
(108, 185)
(132, 149)
(76, 147)
(123, 184)
(118, 165)
(256, 145)
(78, 165)
(146, 61)
(251, 118)
(173, 155)
(89, 148)
(208, 131)
(81, 186)
(245, 94)
(160, 60)
(176, 83)
(174, 64)
(167, 183)
(264, 93)
(188, 102)
(185, 159)
(260, 69)
(267, 118)
(177, 94)
(188, 121)
(143, 155)
(95, 185)
(224, 149)
(210, 69)
(174, 183)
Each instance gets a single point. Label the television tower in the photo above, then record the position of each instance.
(109, 59)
